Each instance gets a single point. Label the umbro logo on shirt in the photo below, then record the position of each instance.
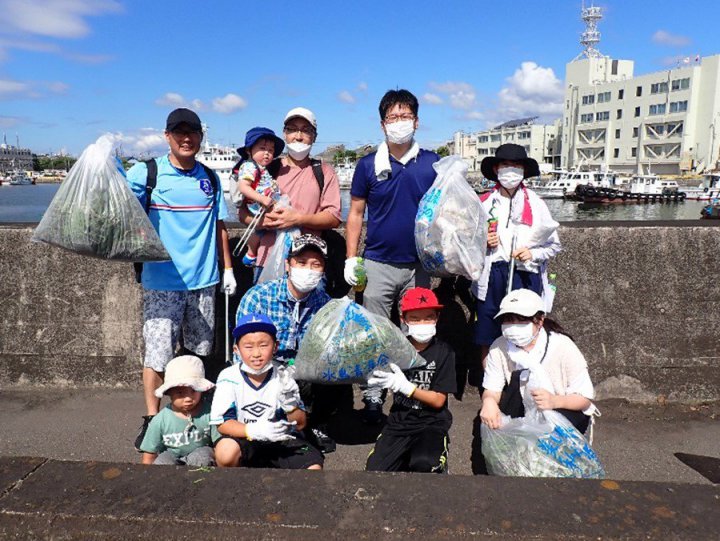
(256, 409)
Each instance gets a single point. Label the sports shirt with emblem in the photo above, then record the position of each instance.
(180, 436)
(184, 212)
(238, 399)
(409, 416)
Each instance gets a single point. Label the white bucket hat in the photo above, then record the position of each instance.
(184, 371)
(522, 302)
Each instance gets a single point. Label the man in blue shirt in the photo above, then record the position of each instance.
(389, 183)
(188, 214)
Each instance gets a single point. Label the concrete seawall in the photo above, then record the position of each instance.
(640, 298)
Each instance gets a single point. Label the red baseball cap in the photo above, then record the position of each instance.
(419, 298)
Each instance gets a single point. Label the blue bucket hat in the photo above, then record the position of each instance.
(257, 133)
(254, 323)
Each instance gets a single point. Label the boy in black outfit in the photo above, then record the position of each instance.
(415, 437)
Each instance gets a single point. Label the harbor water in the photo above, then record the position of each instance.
(28, 204)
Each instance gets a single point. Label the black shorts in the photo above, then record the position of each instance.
(295, 454)
(426, 451)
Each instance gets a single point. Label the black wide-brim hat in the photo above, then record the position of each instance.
(257, 133)
(513, 153)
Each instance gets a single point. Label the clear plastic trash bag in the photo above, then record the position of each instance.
(95, 213)
(451, 224)
(541, 444)
(274, 267)
(345, 343)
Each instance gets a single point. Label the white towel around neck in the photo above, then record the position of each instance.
(382, 159)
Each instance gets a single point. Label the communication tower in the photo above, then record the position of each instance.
(589, 39)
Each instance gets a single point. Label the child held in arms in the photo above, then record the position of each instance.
(257, 407)
(415, 437)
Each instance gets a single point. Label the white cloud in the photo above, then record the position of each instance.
(676, 60)
(475, 115)
(531, 91)
(57, 87)
(661, 37)
(53, 18)
(460, 95)
(143, 142)
(13, 88)
(197, 105)
(171, 99)
(432, 99)
(362, 86)
(346, 97)
(9, 121)
(229, 103)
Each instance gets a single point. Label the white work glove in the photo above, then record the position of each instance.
(289, 391)
(264, 430)
(395, 381)
(350, 264)
(229, 285)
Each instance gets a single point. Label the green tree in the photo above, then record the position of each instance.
(442, 151)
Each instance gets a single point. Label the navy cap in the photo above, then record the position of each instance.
(257, 133)
(183, 116)
(254, 323)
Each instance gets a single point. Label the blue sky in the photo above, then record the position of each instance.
(71, 70)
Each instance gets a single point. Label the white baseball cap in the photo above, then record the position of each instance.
(184, 371)
(522, 302)
(302, 112)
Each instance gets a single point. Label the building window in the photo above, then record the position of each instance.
(619, 114)
(678, 106)
(495, 137)
(633, 152)
(483, 139)
(621, 93)
(656, 88)
(637, 111)
(603, 115)
(680, 84)
(589, 99)
(636, 130)
(617, 133)
(638, 91)
(567, 104)
(603, 97)
(588, 117)
(658, 109)
(616, 153)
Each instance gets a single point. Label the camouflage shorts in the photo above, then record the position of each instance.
(166, 313)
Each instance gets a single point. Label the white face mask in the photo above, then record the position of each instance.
(510, 177)
(252, 371)
(400, 132)
(305, 280)
(298, 151)
(421, 332)
(519, 334)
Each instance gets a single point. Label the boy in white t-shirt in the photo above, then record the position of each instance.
(257, 407)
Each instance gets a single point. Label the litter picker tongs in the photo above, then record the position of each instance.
(512, 264)
(249, 230)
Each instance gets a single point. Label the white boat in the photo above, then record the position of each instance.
(218, 158)
(652, 185)
(709, 189)
(19, 178)
(345, 172)
(569, 180)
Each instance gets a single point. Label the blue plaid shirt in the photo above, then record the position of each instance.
(290, 316)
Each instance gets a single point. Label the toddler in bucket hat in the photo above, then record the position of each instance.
(181, 434)
(255, 187)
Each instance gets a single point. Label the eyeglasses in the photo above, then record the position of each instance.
(305, 131)
(181, 134)
(396, 118)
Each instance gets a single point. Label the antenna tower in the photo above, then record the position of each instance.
(591, 36)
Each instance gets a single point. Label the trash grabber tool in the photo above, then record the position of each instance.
(249, 230)
(512, 264)
(228, 360)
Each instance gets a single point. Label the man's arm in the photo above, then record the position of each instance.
(353, 227)
(223, 241)
(282, 218)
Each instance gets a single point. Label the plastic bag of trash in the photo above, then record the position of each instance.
(540, 444)
(274, 267)
(451, 224)
(345, 343)
(95, 213)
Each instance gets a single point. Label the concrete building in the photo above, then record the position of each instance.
(15, 158)
(541, 142)
(667, 122)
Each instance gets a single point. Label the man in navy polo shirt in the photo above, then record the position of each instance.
(188, 214)
(390, 184)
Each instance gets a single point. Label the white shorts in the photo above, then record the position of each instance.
(165, 313)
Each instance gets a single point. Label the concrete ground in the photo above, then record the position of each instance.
(634, 442)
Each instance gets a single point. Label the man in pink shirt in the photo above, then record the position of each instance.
(312, 209)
